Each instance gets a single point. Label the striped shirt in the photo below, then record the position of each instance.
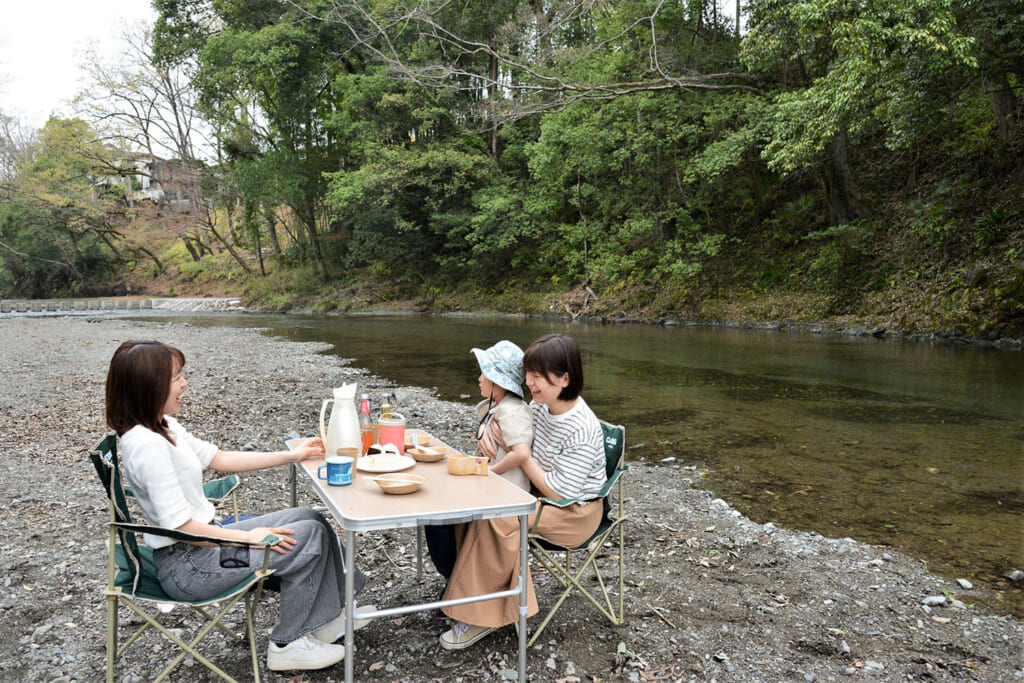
(570, 449)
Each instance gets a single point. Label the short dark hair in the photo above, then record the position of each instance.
(138, 383)
(555, 355)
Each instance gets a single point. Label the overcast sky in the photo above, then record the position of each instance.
(41, 42)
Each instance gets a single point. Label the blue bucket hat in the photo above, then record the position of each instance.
(503, 365)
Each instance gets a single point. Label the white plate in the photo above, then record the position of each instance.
(402, 462)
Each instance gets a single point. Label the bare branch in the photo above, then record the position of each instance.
(142, 107)
(533, 74)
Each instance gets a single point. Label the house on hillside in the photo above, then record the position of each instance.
(166, 182)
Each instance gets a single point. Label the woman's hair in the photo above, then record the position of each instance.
(138, 383)
(555, 355)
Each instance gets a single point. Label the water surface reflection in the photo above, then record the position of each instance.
(916, 446)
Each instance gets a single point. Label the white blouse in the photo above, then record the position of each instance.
(167, 478)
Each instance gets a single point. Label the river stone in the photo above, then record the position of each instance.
(934, 600)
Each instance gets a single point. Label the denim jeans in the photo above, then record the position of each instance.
(312, 573)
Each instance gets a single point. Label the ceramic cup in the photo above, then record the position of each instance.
(339, 470)
(353, 453)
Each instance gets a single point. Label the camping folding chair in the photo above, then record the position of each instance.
(612, 520)
(132, 578)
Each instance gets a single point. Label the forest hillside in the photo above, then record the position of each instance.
(809, 160)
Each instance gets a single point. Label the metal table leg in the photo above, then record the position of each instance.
(350, 602)
(292, 480)
(419, 552)
(523, 568)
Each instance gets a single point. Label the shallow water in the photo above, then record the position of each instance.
(910, 445)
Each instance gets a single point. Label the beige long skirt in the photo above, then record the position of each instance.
(488, 561)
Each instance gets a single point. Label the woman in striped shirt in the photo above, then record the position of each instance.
(567, 461)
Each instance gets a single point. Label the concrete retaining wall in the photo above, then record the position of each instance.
(117, 304)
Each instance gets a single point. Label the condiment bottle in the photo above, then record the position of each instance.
(385, 407)
(365, 422)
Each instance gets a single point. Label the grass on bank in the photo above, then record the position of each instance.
(945, 301)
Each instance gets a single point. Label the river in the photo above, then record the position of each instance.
(904, 444)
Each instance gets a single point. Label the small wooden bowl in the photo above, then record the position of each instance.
(398, 483)
(423, 440)
(426, 454)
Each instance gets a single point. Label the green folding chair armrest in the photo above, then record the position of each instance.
(268, 541)
(215, 490)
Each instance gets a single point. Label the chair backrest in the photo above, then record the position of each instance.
(614, 461)
(614, 446)
(105, 460)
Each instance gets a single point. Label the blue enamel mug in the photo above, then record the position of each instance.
(339, 470)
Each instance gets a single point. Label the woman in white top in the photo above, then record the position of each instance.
(164, 464)
(567, 461)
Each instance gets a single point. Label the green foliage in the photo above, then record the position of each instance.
(837, 250)
(636, 146)
(863, 67)
(54, 216)
(410, 207)
(611, 177)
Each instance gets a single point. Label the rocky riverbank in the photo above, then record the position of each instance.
(710, 595)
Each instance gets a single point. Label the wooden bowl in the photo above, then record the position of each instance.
(399, 483)
(426, 454)
(424, 440)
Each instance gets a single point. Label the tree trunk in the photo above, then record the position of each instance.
(259, 249)
(271, 220)
(191, 249)
(840, 190)
(308, 218)
(231, 250)
(494, 95)
(1005, 105)
(151, 255)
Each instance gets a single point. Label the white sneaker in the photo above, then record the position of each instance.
(461, 635)
(335, 628)
(305, 653)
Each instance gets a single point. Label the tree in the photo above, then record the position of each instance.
(142, 105)
(997, 27)
(265, 75)
(17, 148)
(848, 70)
(526, 57)
(56, 228)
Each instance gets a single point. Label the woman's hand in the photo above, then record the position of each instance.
(259, 533)
(310, 448)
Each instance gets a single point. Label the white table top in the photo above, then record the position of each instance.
(443, 498)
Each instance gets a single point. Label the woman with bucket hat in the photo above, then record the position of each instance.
(506, 422)
(504, 434)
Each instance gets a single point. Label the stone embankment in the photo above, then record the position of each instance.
(118, 303)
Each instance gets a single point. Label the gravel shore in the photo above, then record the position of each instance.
(711, 595)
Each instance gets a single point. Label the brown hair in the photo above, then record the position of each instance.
(555, 355)
(138, 383)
